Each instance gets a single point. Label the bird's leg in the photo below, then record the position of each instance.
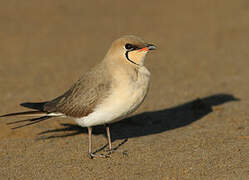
(110, 149)
(90, 154)
(90, 142)
(109, 137)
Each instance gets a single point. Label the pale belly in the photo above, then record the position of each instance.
(120, 103)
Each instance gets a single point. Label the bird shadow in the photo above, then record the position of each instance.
(151, 122)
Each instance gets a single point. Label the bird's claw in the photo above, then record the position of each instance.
(92, 155)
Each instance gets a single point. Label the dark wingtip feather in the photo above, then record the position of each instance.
(38, 106)
(33, 121)
(21, 113)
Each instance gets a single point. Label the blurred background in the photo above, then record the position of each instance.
(202, 52)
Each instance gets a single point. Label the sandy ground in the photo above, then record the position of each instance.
(202, 53)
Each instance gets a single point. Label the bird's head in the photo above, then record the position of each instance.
(130, 49)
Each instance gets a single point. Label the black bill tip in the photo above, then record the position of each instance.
(151, 47)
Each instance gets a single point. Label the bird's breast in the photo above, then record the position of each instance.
(123, 99)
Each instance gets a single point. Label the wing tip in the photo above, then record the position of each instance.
(32, 121)
(34, 105)
(27, 113)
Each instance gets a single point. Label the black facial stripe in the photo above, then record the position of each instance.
(127, 57)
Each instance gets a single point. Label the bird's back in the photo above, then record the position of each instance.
(83, 96)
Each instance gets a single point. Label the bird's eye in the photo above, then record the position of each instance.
(129, 47)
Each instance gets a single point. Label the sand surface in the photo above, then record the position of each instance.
(203, 52)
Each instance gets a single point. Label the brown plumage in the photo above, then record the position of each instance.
(107, 93)
(83, 96)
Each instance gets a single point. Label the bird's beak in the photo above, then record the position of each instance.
(148, 47)
(151, 47)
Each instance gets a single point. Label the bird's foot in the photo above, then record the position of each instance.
(92, 155)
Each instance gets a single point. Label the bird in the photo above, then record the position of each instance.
(107, 93)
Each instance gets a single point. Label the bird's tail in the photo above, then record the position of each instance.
(25, 113)
(38, 114)
(31, 121)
